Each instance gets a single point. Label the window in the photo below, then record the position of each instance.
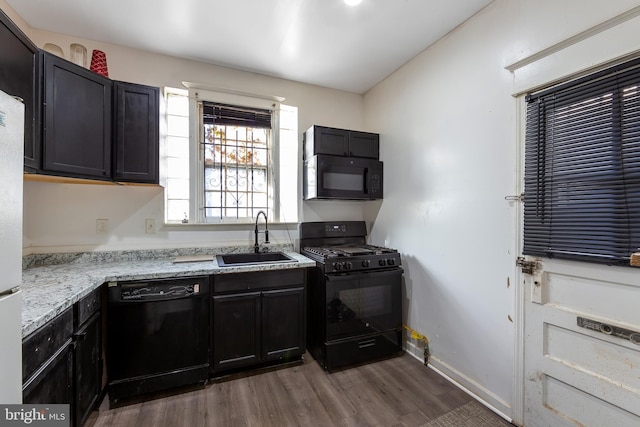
(228, 157)
(582, 168)
(177, 186)
(237, 150)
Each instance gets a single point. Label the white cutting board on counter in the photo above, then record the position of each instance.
(193, 258)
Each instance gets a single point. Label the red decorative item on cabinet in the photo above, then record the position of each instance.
(99, 63)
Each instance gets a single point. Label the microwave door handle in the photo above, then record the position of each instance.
(366, 180)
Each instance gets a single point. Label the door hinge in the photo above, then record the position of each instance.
(528, 267)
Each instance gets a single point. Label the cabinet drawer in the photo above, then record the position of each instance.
(42, 344)
(257, 280)
(87, 306)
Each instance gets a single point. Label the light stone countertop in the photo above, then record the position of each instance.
(48, 290)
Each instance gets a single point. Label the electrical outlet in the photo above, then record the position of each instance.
(150, 226)
(102, 226)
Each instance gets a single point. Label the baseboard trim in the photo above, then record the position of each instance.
(454, 377)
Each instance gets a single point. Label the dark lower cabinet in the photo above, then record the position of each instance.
(236, 335)
(53, 382)
(88, 367)
(283, 323)
(47, 362)
(258, 318)
(62, 363)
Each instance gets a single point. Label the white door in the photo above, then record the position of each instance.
(581, 357)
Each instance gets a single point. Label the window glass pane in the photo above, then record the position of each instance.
(212, 179)
(259, 178)
(178, 188)
(177, 147)
(178, 126)
(236, 169)
(178, 105)
(177, 210)
(176, 167)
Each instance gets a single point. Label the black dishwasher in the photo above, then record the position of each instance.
(157, 335)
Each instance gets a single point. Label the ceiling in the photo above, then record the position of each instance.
(321, 42)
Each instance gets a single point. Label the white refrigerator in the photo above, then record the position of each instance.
(11, 161)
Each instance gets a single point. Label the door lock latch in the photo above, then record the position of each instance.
(528, 267)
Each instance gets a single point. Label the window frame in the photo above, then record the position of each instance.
(268, 169)
(196, 164)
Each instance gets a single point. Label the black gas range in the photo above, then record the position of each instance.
(354, 297)
(340, 247)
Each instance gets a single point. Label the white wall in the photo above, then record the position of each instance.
(62, 217)
(451, 127)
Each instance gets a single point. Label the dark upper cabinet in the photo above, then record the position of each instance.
(77, 121)
(340, 142)
(136, 139)
(19, 76)
(364, 144)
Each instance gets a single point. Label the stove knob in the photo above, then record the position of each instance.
(348, 265)
(382, 263)
(365, 263)
(337, 265)
(391, 261)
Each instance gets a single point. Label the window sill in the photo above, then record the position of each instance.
(229, 226)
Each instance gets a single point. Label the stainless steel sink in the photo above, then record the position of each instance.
(231, 260)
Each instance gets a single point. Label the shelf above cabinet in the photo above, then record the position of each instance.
(33, 177)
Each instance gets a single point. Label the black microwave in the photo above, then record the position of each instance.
(349, 178)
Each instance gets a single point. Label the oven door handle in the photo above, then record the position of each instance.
(366, 181)
(378, 274)
(367, 343)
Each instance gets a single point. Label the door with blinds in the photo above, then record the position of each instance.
(581, 227)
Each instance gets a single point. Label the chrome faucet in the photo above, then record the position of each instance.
(256, 246)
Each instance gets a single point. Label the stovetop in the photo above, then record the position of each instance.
(340, 247)
(347, 251)
(343, 259)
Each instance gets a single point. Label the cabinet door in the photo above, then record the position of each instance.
(77, 121)
(88, 367)
(53, 383)
(364, 144)
(283, 323)
(41, 345)
(236, 330)
(136, 133)
(324, 140)
(19, 76)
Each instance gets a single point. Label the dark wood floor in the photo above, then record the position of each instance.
(395, 392)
